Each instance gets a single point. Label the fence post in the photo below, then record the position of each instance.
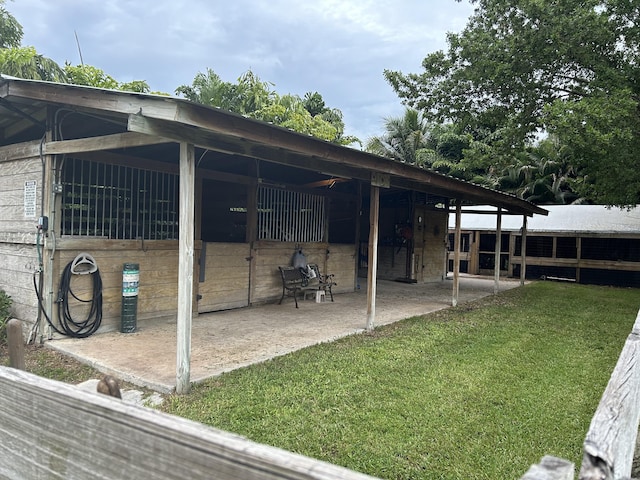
(16, 344)
(550, 468)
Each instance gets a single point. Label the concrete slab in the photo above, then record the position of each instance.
(224, 341)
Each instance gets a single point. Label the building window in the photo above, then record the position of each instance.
(288, 216)
(118, 202)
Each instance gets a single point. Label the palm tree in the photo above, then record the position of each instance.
(544, 174)
(404, 140)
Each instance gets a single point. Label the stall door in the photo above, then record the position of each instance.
(419, 243)
(224, 276)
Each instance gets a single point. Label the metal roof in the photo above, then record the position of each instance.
(23, 114)
(561, 219)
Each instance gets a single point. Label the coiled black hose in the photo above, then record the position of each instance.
(69, 326)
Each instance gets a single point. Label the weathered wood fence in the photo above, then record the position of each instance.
(51, 430)
(611, 440)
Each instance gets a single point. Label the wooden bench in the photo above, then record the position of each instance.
(294, 282)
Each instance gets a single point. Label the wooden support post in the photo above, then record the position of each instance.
(496, 266)
(523, 251)
(16, 344)
(358, 234)
(51, 206)
(578, 257)
(185, 267)
(373, 256)
(456, 254)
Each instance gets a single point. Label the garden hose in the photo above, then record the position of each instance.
(68, 326)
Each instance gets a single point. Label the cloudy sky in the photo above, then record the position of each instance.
(338, 48)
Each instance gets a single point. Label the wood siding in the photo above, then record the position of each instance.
(18, 235)
(55, 430)
(158, 291)
(225, 280)
(268, 256)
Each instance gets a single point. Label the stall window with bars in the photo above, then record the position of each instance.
(288, 216)
(118, 202)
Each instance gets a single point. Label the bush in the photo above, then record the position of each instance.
(5, 306)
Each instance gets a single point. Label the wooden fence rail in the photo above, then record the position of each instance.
(51, 430)
(611, 440)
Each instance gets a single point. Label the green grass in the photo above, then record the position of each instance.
(480, 391)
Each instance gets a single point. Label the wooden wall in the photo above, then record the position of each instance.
(226, 275)
(331, 258)
(18, 235)
(435, 238)
(158, 291)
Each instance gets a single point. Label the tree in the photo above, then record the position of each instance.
(254, 98)
(91, 76)
(10, 29)
(543, 174)
(411, 139)
(26, 62)
(525, 67)
(406, 139)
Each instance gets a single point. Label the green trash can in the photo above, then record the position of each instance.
(130, 283)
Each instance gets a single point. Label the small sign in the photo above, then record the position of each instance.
(380, 180)
(30, 199)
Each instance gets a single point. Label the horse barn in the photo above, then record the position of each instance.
(203, 203)
(591, 244)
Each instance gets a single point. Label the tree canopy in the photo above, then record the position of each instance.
(255, 98)
(10, 29)
(525, 68)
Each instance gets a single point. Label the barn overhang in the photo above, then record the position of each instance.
(160, 119)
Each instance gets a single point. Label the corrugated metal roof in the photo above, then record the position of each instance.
(561, 218)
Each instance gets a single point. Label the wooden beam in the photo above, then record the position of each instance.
(105, 142)
(18, 151)
(330, 182)
(185, 267)
(456, 255)
(280, 146)
(523, 251)
(25, 123)
(496, 266)
(45, 422)
(372, 270)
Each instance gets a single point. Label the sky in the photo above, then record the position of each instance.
(338, 48)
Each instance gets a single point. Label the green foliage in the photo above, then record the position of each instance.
(5, 314)
(91, 76)
(411, 139)
(526, 66)
(10, 29)
(254, 98)
(26, 62)
(481, 391)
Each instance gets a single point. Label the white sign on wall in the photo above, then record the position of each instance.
(30, 199)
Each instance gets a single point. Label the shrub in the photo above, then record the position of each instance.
(5, 306)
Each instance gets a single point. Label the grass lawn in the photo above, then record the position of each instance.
(480, 391)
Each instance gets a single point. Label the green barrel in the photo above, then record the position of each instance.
(130, 283)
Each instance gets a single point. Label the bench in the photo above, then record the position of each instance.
(294, 282)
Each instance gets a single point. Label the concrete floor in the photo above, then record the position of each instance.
(224, 341)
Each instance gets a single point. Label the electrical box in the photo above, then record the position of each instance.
(43, 223)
